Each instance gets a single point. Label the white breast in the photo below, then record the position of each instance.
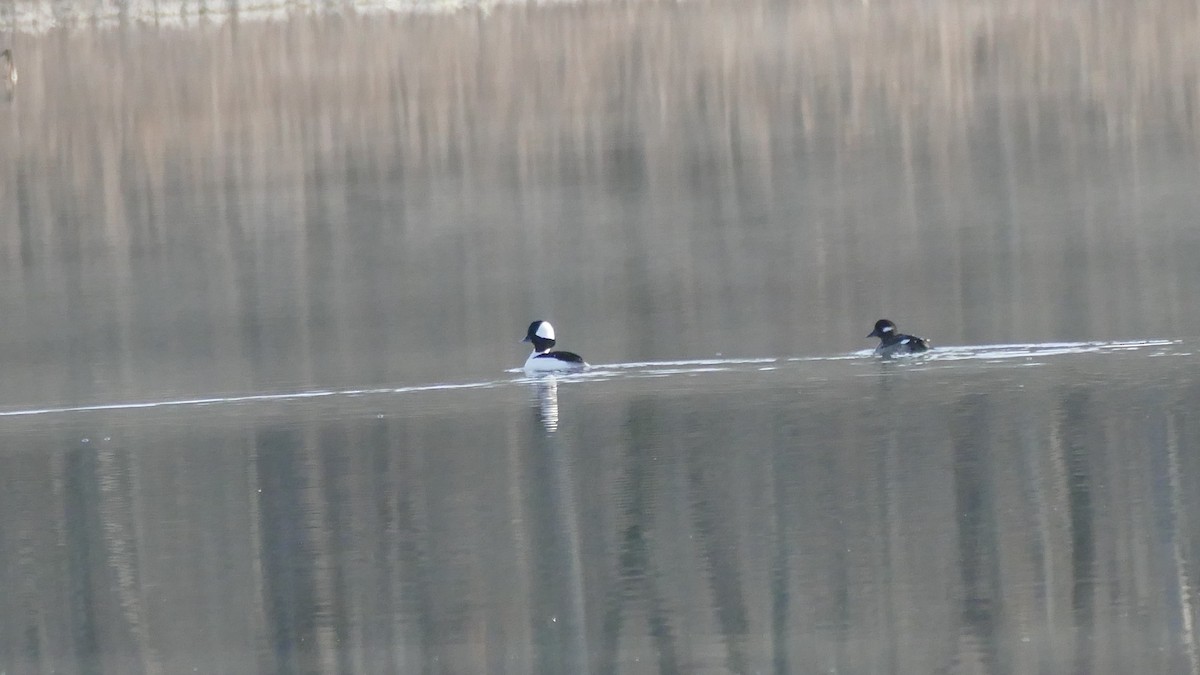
(533, 364)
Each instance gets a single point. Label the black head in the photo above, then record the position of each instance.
(541, 334)
(883, 329)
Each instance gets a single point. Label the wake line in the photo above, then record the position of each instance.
(248, 398)
(1012, 351)
(646, 368)
(634, 365)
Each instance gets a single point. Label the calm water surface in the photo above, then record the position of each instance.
(263, 286)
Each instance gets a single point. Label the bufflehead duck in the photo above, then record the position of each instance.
(892, 342)
(542, 360)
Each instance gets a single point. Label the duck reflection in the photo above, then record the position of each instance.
(560, 627)
(547, 400)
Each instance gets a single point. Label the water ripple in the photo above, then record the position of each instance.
(651, 369)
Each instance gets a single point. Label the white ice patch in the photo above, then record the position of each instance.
(545, 331)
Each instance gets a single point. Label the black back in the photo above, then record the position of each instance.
(569, 357)
(910, 344)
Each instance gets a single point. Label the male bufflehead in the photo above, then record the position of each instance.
(892, 342)
(542, 360)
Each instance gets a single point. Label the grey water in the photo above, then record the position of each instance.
(263, 284)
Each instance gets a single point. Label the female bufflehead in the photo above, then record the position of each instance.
(892, 342)
(542, 360)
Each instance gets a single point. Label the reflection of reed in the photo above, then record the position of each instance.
(115, 482)
(1179, 521)
(977, 545)
(635, 589)
(721, 563)
(1078, 424)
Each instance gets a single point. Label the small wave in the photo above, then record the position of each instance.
(1041, 349)
(939, 353)
(247, 398)
(643, 369)
(688, 363)
(640, 365)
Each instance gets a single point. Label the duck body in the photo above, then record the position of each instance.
(893, 343)
(544, 359)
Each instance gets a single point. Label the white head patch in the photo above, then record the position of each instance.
(545, 331)
(887, 329)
